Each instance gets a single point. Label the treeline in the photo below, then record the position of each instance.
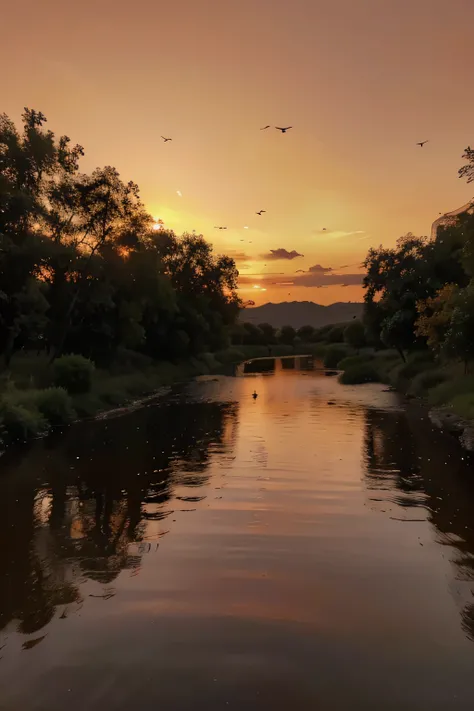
(264, 334)
(82, 269)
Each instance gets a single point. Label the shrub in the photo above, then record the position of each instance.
(56, 406)
(209, 360)
(408, 370)
(359, 373)
(230, 355)
(350, 361)
(126, 360)
(333, 355)
(420, 357)
(423, 382)
(74, 373)
(20, 422)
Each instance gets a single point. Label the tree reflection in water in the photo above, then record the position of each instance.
(72, 505)
(410, 463)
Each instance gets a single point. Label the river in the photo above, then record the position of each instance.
(312, 548)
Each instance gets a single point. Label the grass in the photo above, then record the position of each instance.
(445, 393)
(463, 405)
(426, 381)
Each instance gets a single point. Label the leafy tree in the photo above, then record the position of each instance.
(268, 333)
(435, 315)
(287, 335)
(459, 341)
(306, 334)
(467, 171)
(354, 335)
(253, 335)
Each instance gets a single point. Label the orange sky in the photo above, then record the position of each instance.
(361, 81)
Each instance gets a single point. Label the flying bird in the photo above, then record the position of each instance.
(260, 212)
(421, 143)
(166, 139)
(283, 130)
(220, 228)
(265, 127)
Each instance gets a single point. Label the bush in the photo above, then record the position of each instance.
(56, 406)
(408, 370)
(230, 355)
(19, 422)
(359, 373)
(74, 373)
(209, 360)
(126, 360)
(420, 357)
(423, 382)
(333, 355)
(350, 361)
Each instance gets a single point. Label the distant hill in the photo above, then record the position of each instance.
(301, 313)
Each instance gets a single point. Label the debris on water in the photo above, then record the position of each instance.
(105, 596)
(32, 642)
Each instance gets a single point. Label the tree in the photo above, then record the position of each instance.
(335, 334)
(459, 340)
(287, 335)
(253, 335)
(268, 333)
(435, 315)
(467, 171)
(398, 279)
(354, 335)
(306, 334)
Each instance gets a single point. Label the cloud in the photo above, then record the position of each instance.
(238, 256)
(282, 254)
(307, 279)
(318, 269)
(337, 234)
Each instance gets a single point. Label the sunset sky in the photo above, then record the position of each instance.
(360, 81)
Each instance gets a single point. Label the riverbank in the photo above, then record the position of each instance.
(31, 403)
(444, 388)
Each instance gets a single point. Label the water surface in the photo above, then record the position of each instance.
(310, 549)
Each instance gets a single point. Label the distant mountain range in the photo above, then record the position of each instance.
(301, 313)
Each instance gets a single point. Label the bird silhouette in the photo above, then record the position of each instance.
(421, 143)
(220, 228)
(324, 229)
(260, 212)
(166, 139)
(265, 127)
(255, 395)
(283, 130)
